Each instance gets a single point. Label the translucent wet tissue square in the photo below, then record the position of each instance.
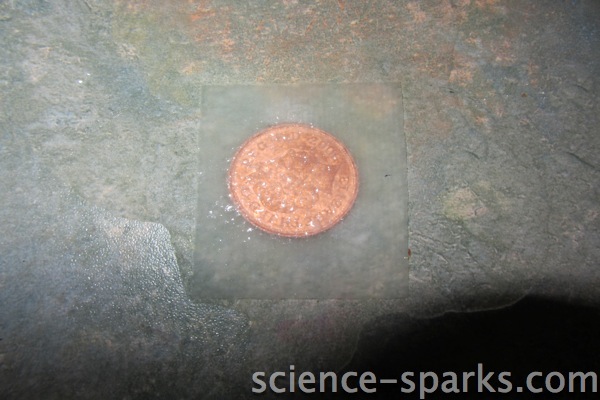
(363, 256)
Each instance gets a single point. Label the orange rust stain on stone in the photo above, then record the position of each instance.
(418, 15)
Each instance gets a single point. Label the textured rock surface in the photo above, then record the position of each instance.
(100, 111)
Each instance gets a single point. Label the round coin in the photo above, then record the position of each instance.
(293, 180)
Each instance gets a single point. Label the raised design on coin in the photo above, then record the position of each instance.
(293, 180)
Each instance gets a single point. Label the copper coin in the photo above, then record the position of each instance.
(293, 180)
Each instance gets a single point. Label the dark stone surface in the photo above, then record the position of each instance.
(534, 334)
(100, 114)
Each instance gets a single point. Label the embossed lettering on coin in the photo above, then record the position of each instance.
(293, 180)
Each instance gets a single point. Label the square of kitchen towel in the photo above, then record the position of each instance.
(364, 256)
